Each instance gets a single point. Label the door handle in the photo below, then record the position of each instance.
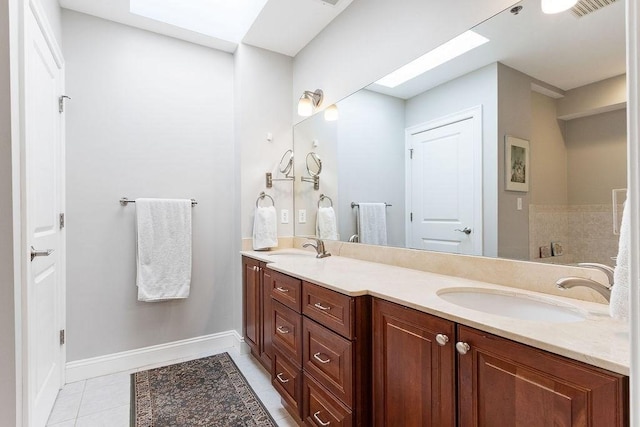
(465, 230)
(43, 252)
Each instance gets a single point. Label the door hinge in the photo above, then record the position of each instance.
(411, 217)
(61, 103)
(61, 221)
(61, 336)
(411, 153)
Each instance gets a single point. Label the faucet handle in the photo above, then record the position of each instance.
(604, 268)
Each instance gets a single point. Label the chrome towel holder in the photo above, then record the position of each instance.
(322, 197)
(262, 197)
(124, 201)
(355, 205)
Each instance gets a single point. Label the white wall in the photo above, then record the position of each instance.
(476, 88)
(374, 37)
(262, 105)
(150, 116)
(371, 160)
(7, 320)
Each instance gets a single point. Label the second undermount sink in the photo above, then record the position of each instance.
(512, 304)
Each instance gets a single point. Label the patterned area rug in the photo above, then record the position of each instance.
(203, 392)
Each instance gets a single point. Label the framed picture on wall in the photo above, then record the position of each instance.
(516, 167)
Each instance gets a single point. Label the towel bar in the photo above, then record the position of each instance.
(354, 204)
(124, 201)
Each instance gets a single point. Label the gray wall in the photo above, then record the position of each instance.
(7, 320)
(151, 116)
(514, 118)
(371, 160)
(470, 90)
(597, 157)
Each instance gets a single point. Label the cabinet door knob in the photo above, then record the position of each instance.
(281, 289)
(442, 339)
(282, 380)
(256, 268)
(321, 307)
(462, 347)
(282, 330)
(321, 360)
(317, 417)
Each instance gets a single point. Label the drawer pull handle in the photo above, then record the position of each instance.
(321, 307)
(282, 330)
(283, 290)
(283, 381)
(319, 359)
(256, 268)
(322, 423)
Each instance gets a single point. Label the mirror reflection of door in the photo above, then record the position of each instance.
(444, 178)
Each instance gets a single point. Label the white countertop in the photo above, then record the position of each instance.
(598, 340)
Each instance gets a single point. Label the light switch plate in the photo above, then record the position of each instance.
(284, 216)
(302, 216)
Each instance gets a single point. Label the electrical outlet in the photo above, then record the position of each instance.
(284, 216)
(302, 216)
(519, 203)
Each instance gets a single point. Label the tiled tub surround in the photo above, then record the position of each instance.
(586, 232)
(599, 340)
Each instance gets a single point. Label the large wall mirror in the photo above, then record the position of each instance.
(512, 149)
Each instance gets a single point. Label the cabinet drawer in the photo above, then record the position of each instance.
(329, 308)
(328, 358)
(320, 408)
(287, 380)
(287, 332)
(285, 289)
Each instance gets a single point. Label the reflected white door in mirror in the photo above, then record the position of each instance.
(444, 175)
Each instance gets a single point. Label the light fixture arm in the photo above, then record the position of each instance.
(316, 96)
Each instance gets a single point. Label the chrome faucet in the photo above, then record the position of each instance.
(319, 247)
(604, 290)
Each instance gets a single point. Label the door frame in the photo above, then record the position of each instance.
(475, 114)
(21, 247)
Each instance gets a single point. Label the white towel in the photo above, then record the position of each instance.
(265, 231)
(372, 218)
(619, 306)
(163, 249)
(326, 224)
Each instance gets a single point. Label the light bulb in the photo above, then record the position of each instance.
(557, 6)
(331, 113)
(305, 107)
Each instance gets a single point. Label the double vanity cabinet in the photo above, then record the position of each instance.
(340, 360)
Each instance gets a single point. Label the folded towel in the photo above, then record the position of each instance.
(372, 219)
(265, 231)
(619, 306)
(326, 224)
(163, 249)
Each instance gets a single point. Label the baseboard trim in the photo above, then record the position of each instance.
(153, 356)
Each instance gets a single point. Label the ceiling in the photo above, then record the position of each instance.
(283, 26)
(561, 50)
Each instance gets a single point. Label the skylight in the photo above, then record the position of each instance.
(438, 56)
(223, 19)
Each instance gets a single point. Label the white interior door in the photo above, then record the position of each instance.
(43, 175)
(445, 185)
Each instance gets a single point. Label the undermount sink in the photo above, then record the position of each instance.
(294, 252)
(512, 304)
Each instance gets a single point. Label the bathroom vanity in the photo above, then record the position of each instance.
(349, 342)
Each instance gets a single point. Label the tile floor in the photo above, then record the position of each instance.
(104, 401)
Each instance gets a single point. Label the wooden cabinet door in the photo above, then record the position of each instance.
(413, 376)
(266, 345)
(251, 303)
(504, 383)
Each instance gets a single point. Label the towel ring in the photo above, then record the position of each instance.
(262, 196)
(322, 197)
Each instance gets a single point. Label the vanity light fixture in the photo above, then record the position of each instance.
(331, 113)
(557, 6)
(446, 52)
(309, 101)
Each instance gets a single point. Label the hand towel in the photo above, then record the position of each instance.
(326, 224)
(619, 305)
(372, 218)
(163, 249)
(265, 231)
